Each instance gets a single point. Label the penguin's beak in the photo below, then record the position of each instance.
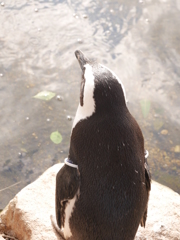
(81, 59)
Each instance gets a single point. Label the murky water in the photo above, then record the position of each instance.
(139, 40)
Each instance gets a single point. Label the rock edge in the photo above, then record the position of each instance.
(27, 216)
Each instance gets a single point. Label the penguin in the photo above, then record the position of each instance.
(103, 188)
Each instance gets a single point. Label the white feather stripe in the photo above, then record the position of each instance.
(68, 213)
(88, 107)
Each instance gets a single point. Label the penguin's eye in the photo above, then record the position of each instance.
(82, 90)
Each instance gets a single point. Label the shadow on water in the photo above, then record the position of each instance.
(139, 40)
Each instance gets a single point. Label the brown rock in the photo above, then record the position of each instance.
(163, 221)
(164, 132)
(27, 216)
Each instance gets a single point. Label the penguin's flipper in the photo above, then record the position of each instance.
(147, 176)
(67, 185)
(143, 219)
(148, 188)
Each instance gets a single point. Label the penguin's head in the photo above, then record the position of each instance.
(101, 90)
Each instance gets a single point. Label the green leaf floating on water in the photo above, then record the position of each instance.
(23, 150)
(145, 107)
(158, 123)
(45, 95)
(56, 137)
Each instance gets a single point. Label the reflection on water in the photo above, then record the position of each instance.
(139, 40)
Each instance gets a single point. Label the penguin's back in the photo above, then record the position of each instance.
(113, 196)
